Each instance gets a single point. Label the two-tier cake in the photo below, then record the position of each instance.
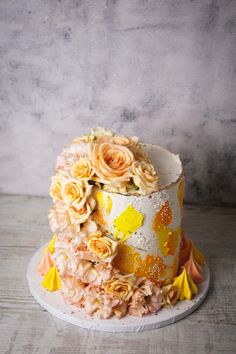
(117, 247)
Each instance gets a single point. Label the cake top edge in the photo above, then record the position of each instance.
(116, 164)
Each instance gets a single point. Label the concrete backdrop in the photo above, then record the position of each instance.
(162, 70)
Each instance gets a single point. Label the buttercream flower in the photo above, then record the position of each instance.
(59, 219)
(121, 286)
(137, 305)
(144, 177)
(104, 247)
(85, 271)
(75, 192)
(170, 295)
(72, 290)
(55, 188)
(79, 216)
(120, 310)
(70, 154)
(119, 140)
(98, 303)
(82, 169)
(155, 301)
(111, 162)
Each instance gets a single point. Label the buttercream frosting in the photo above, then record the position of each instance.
(193, 269)
(46, 263)
(185, 285)
(52, 280)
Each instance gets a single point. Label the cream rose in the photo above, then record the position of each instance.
(79, 216)
(111, 162)
(75, 192)
(121, 286)
(82, 169)
(144, 177)
(102, 246)
(55, 188)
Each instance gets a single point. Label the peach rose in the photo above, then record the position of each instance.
(144, 177)
(119, 140)
(102, 246)
(75, 192)
(82, 169)
(79, 216)
(111, 162)
(55, 188)
(121, 286)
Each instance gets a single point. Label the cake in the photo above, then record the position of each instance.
(117, 247)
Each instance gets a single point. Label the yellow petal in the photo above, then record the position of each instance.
(52, 280)
(52, 243)
(186, 286)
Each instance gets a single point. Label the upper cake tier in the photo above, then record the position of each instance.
(148, 226)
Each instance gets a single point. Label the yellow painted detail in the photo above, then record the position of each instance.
(181, 193)
(127, 222)
(103, 207)
(52, 280)
(186, 286)
(168, 239)
(163, 216)
(129, 261)
(104, 202)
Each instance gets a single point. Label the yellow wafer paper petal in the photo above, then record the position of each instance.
(52, 243)
(52, 280)
(187, 288)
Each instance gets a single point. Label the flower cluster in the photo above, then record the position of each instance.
(114, 163)
(82, 252)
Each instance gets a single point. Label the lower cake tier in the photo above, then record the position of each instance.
(104, 290)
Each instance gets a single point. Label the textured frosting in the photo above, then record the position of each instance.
(46, 263)
(185, 285)
(52, 280)
(193, 269)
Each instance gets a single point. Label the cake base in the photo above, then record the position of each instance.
(53, 302)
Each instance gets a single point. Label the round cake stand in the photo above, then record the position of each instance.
(53, 302)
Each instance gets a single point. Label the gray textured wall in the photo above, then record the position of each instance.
(163, 70)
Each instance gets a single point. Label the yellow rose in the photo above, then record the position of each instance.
(102, 246)
(144, 177)
(111, 162)
(119, 140)
(82, 169)
(75, 192)
(79, 216)
(55, 188)
(121, 286)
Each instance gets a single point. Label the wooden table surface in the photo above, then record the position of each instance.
(28, 329)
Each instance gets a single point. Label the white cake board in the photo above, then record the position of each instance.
(53, 302)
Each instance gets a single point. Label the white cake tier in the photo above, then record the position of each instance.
(148, 226)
